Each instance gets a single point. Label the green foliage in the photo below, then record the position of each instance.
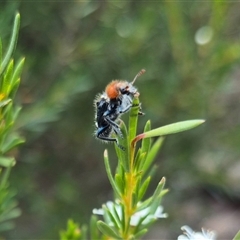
(9, 82)
(73, 49)
(73, 232)
(129, 217)
(237, 237)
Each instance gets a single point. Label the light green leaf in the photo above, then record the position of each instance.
(109, 174)
(6, 84)
(157, 196)
(16, 75)
(14, 88)
(114, 220)
(122, 150)
(152, 155)
(7, 161)
(93, 228)
(0, 53)
(140, 159)
(173, 128)
(12, 44)
(5, 102)
(237, 236)
(14, 213)
(119, 182)
(11, 142)
(106, 230)
(146, 142)
(6, 226)
(133, 119)
(143, 188)
(139, 234)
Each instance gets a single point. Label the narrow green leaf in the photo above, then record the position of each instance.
(109, 174)
(173, 128)
(134, 199)
(146, 142)
(152, 155)
(119, 182)
(93, 228)
(11, 142)
(14, 89)
(5, 102)
(113, 219)
(133, 119)
(8, 113)
(123, 150)
(106, 230)
(6, 226)
(156, 198)
(0, 53)
(84, 232)
(14, 213)
(6, 84)
(116, 214)
(143, 188)
(12, 45)
(139, 234)
(237, 236)
(16, 112)
(123, 216)
(157, 193)
(15, 81)
(139, 161)
(145, 204)
(5, 175)
(153, 170)
(138, 177)
(7, 161)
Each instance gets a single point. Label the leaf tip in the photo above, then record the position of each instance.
(105, 153)
(163, 180)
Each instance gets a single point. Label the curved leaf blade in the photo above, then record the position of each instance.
(173, 128)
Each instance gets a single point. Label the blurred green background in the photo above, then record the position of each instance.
(191, 51)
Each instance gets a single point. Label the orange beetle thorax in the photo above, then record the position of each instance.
(113, 88)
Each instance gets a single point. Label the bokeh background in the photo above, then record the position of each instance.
(191, 51)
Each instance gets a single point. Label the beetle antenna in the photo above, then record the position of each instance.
(138, 75)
